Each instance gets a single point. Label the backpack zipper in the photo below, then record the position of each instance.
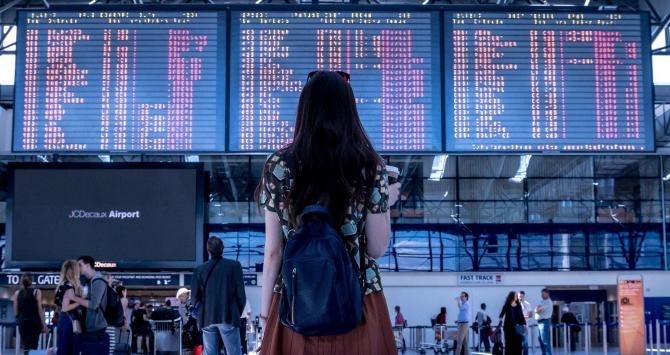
(293, 282)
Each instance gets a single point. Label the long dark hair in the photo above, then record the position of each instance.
(334, 160)
(511, 297)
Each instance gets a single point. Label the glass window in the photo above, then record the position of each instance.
(492, 212)
(661, 68)
(565, 211)
(626, 166)
(560, 167)
(422, 166)
(244, 245)
(489, 189)
(560, 189)
(504, 166)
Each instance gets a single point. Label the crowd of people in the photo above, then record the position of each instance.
(95, 316)
(516, 318)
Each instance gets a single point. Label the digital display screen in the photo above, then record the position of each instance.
(426, 79)
(548, 81)
(120, 81)
(393, 59)
(115, 214)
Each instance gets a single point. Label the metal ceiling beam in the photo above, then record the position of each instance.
(661, 27)
(654, 13)
(9, 5)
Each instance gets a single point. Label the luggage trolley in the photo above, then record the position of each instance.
(417, 336)
(442, 334)
(167, 336)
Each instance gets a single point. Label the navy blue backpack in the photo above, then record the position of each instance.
(322, 292)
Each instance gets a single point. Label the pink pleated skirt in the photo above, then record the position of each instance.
(373, 336)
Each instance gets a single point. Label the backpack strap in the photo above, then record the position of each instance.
(314, 210)
(209, 273)
(204, 286)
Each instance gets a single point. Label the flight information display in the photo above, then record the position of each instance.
(541, 81)
(426, 79)
(393, 59)
(117, 81)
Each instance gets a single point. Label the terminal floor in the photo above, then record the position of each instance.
(429, 352)
(561, 352)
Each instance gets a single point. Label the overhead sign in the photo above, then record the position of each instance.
(249, 279)
(158, 279)
(630, 295)
(39, 278)
(480, 279)
(51, 279)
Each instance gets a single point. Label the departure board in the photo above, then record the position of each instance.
(393, 59)
(118, 81)
(548, 81)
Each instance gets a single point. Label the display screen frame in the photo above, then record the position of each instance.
(222, 87)
(647, 93)
(437, 15)
(647, 81)
(119, 265)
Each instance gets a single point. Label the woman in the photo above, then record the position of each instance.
(123, 297)
(399, 318)
(71, 315)
(514, 322)
(335, 165)
(28, 309)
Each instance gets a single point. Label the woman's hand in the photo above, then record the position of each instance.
(394, 193)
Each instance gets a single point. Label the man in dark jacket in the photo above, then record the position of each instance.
(219, 289)
(568, 318)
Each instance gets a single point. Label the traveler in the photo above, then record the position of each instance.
(441, 317)
(192, 335)
(71, 314)
(94, 340)
(484, 327)
(139, 324)
(528, 315)
(218, 288)
(514, 325)
(122, 333)
(244, 323)
(568, 318)
(543, 313)
(331, 162)
(399, 319)
(165, 312)
(123, 297)
(399, 324)
(463, 321)
(28, 309)
(183, 295)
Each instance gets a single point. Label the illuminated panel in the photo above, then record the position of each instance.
(115, 81)
(393, 59)
(564, 82)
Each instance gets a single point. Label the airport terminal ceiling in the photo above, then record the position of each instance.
(427, 79)
(455, 195)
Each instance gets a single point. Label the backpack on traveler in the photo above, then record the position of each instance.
(112, 309)
(322, 291)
